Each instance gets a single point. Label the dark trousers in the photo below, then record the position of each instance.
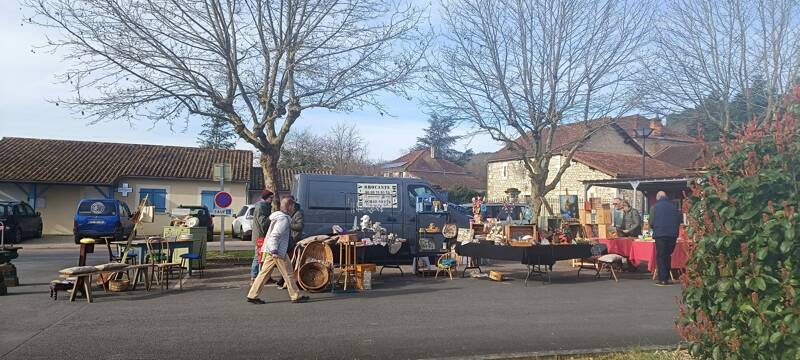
(664, 248)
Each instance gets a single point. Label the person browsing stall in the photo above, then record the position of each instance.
(261, 213)
(274, 250)
(616, 213)
(665, 220)
(631, 220)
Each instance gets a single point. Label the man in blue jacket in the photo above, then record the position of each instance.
(665, 220)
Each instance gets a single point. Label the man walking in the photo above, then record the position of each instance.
(260, 220)
(274, 252)
(296, 235)
(665, 220)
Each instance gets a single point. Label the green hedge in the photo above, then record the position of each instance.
(739, 291)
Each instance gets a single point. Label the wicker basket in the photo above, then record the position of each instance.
(118, 285)
(313, 276)
(317, 251)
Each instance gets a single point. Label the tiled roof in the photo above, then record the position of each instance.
(626, 166)
(448, 181)
(437, 171)
(285, 178)
(421, 160)
(683, 156)
(99, 163)
(566, 136)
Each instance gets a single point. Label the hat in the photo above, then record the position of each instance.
(266, 193)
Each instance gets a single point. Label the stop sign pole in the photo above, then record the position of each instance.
(222, 218)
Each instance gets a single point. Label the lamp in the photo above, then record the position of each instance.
(643, 133)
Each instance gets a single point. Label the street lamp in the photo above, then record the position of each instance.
(643, 133)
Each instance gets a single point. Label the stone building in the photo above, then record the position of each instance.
(612, 152)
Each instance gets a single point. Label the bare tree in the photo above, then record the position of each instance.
(520, 69)
(342, 150)
(256, 64)
(706, 52)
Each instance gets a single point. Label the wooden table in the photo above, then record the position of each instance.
(348, 259)
(141, 247)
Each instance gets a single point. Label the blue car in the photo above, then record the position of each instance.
(97, 218)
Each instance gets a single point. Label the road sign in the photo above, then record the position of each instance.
(222, 212)
(223, 199)
(223, 171)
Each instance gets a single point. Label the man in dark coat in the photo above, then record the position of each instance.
(665, 220)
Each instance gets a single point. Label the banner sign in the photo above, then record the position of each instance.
(376, 196)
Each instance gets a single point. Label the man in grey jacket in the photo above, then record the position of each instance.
(260, 220)
(274, 250)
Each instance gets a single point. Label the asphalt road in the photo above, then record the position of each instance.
(402, 318)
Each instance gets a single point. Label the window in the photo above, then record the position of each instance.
(28, 209)
(155, 197)
(2, 210)
(250, 212)
(124, 210)
(242, 211)
(420, 191)
(505, 171)
(98, 208)
(207, 199)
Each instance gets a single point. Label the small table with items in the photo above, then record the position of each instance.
(537, 258)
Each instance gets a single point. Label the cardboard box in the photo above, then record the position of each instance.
(366, 267)
(496, 275)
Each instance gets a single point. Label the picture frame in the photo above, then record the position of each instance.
(465, 235)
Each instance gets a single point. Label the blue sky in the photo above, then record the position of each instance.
(28, 81)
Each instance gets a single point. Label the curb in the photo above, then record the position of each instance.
(556, 354)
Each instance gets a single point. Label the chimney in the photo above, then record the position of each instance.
(433, 152)
(655, 124)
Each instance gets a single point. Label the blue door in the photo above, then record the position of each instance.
(207, 199)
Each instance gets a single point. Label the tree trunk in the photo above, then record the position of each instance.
(537, 197)
(269, 165)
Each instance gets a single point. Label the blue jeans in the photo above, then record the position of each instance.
(254, 266)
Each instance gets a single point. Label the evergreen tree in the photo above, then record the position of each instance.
(217, 134)
(438, 135)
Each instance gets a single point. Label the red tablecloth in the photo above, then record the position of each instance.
(619, 246)
(646, 251)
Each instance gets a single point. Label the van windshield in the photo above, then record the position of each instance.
(98, 208)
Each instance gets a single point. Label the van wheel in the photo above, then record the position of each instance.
(233, 232)
(119, 235)
(39, 232)
(77, 239)
(17, 237)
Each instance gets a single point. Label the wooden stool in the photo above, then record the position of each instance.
(141, 272)
(87, 247)
(83, 280)
(59, 285)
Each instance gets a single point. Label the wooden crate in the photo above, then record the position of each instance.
(515, 232)
(604, 231)
(595, 202)
(479, 229)
(603, 215)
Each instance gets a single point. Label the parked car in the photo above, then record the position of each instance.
(20, 221)
(98, 218)
(206, 219)
(242, 226)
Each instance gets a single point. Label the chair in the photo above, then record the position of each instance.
(591, 262)
(187, 259)
(446, 262)
(610, 262)
(160, 259)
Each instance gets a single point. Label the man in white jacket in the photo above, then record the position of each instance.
(274, 249)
